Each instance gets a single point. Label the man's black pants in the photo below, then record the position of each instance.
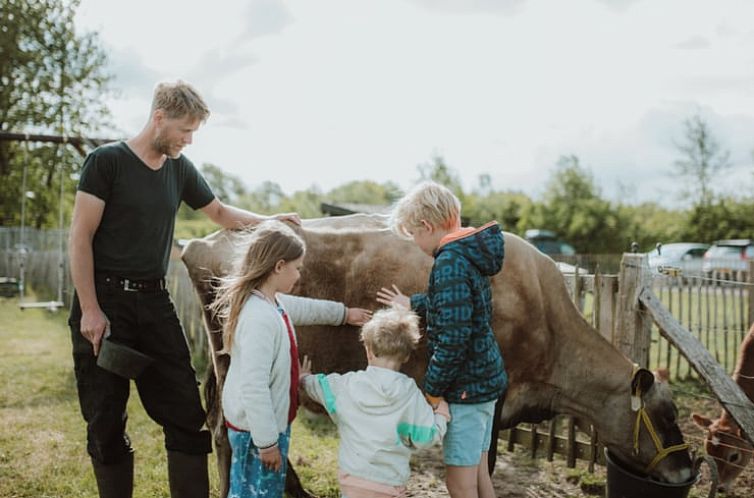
(147, 322)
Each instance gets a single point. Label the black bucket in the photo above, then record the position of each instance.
(622, 483)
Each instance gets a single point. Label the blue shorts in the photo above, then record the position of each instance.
(469, 433)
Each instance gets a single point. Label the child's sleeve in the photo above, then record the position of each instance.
(419, 303)
(308, 311)
(321, 388)
(452, 303)
(421, 427)
(257, 352)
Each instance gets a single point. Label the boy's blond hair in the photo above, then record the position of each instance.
(179, 99)
(428, 201)
(391, 333)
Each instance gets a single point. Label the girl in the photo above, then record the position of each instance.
(260, 395)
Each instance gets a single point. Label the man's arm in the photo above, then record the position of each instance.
(234, 218)
(87, 214)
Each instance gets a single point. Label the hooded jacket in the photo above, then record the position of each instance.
(465, 364)
(381, 416)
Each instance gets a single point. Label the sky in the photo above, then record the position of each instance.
(325, 92)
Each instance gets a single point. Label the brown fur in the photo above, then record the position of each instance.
(556, 362)
(724, 440)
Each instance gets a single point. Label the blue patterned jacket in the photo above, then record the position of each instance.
(465, 364)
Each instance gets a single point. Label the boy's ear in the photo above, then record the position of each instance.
(427, 226)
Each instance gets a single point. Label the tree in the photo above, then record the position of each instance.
(573, 207)
(702, 160)
(365, 192)
(52, 80)
(438, 171)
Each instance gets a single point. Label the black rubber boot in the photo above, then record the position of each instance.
(115, 480)
(188, 475)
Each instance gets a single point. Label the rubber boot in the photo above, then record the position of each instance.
(188, 475)
(115, 480)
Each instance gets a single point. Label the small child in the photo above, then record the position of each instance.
(381, 414)
(465, 365)
(260, 395)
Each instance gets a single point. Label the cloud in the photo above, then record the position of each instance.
(265, 17)
(132, 76)
(506, 7)
(618, 5)
(696, 42)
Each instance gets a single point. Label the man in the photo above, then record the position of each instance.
(121, 236)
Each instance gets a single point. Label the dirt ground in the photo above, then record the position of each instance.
(518, 476)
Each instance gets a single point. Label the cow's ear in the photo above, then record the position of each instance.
(701, 420)
(643, 380)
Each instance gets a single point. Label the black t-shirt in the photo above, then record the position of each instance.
(136, 232)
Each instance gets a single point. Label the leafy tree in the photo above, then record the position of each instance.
(52, 80)
(573, 207)
(702, 159)
(438, 171)
(365, 192)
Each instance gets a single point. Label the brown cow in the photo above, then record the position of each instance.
(556, 362)
(724, 440)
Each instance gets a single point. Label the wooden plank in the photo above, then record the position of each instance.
(522, 436)
(726, 391)
(608, 294)
(633, 329)
(751, 292)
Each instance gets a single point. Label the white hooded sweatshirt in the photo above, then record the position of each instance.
(381, 416)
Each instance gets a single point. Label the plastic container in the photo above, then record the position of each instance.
(623, 483)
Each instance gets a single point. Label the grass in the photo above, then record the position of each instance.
(43, 436)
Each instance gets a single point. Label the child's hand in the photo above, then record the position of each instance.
(271, 458)
(357, 316)
(443, 409)
(393, 297)
(305, 367)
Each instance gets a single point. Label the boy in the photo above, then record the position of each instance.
(465, 366)
(381, 414)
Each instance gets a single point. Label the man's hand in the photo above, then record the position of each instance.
(292, 217)
(271, 458)
(93, 326)
(358, 316)
(393, 297)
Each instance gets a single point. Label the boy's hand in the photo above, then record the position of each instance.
(393, 297)
(271, 458)
(305, 367)
(358, 316)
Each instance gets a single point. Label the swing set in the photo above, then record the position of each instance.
(23, 249)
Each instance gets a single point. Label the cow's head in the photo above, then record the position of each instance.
(725, 443)
(656, 444)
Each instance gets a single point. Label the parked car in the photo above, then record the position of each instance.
(548, 242)
(729, 256)
(686, 256)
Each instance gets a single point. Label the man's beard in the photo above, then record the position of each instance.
(163, 146)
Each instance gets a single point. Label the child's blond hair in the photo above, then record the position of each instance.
(179, 99)
(391, 333)
(430, 202)
(270, 242)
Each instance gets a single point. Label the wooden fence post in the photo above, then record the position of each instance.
(633, 329)
(750, 290)
(605, 287)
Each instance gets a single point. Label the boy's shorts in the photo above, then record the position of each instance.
(469, 433)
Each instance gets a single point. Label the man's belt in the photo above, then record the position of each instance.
(130, 285)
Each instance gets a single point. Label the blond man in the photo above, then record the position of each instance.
(380, 412)
(121, 236)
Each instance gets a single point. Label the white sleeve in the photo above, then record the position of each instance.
(308, 311)
(420, 427)
(257, 347)
(322, 388)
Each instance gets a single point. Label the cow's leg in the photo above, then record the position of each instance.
(293, 485)
(496, 426)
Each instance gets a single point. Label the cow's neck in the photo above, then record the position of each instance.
(744, 373)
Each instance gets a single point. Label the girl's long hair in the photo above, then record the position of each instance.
(268, 243)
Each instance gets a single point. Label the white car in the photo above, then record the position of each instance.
(687, 257)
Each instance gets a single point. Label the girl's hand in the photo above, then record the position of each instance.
(393, 297)
(357, 316)
(271, 458)
(305, 367)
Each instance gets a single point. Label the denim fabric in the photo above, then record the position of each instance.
(469, 433)
(248, 477)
